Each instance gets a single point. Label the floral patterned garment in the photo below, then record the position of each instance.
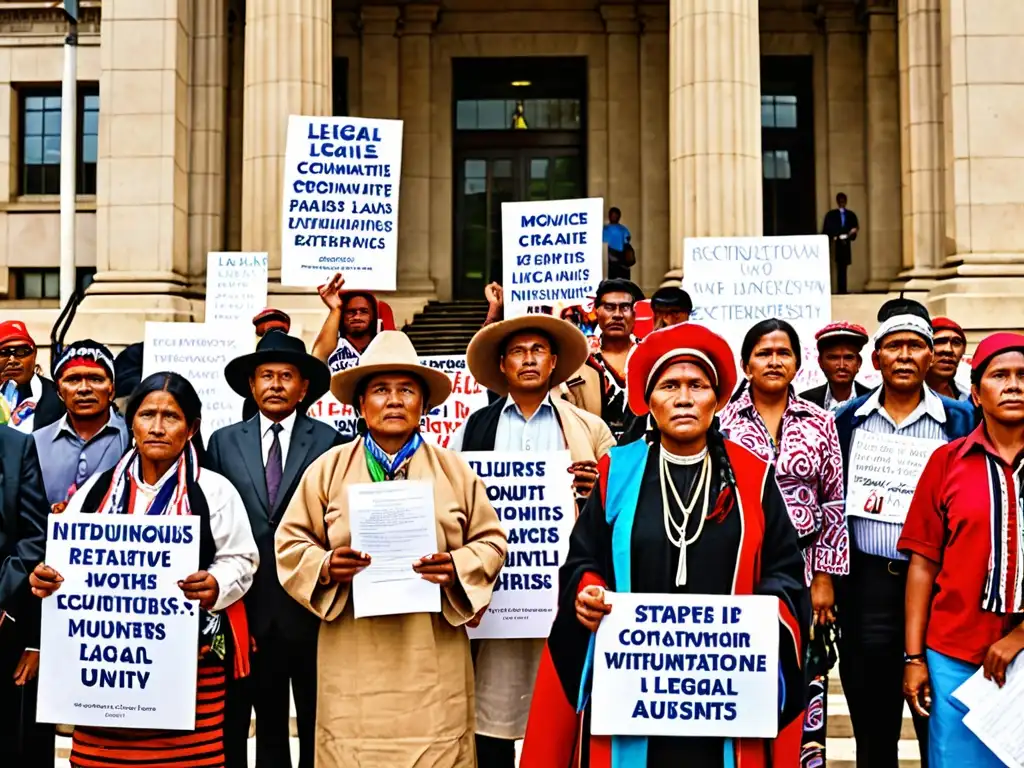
(809, 470)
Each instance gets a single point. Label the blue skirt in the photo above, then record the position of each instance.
(951, 744)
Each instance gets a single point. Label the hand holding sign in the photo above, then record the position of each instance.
(591, 607)
(203, 587)
(44, 581)
(585, 476)
(344, 564)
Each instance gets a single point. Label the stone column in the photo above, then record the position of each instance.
(287, 72)
(380, 61)
(714, 120)
(653, 260)
(623, 68)
(142, 198)
(208, 174)
(884, 222)
(414, 108)
(983, 278)
(922, 155)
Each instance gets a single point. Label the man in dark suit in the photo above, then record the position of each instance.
(264, 458)
(839, 347)
(33, 398)
(23, 742)
(841, 226)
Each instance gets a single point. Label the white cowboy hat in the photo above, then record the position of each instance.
(390, 352)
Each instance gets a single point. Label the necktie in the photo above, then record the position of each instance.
(842, 217)
(274, 466)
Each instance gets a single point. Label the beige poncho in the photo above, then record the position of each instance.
(392, 691)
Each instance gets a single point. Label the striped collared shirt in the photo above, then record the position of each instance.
(928, 422)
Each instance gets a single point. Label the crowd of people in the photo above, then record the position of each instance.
(691, 475)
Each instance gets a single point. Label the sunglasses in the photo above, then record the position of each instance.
(17, 352)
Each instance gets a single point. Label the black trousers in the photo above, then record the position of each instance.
(23, 742)
(871, 602)
(495, 753)
(279, 663)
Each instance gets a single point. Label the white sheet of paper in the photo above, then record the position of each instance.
(883, 474)
(394, 524)
(995, 713)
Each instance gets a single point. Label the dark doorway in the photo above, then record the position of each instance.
(787, 145)
(519, 135)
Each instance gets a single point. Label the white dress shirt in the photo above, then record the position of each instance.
(288, 426)
(541, 432)
(236, 558)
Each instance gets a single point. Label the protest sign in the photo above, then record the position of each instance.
(119, 640)
(552, 254)
(236, 287)
(467, 396)
(532, 494)
(883, 475)
(341, 182)
(687, 665)
(437, 426)
(736, 282)
(199, 352)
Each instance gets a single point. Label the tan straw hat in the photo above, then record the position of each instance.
(484, 352)
(390, 352)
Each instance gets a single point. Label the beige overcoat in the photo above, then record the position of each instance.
(392, 691)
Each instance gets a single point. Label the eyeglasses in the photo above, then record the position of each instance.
(18, 352)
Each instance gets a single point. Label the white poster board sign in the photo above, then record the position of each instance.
(552, 254)
(532, 494)
(341, 183)
(736, 282)
(236, 287)
(199, 352)
(118, 638)
(467, 396)
(883, 474)
(717, 662)
(395, 524)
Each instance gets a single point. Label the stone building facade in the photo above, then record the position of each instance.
(694, 117)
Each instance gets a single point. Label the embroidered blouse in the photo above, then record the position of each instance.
(809, 470)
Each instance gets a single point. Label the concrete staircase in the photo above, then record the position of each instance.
(445, 327)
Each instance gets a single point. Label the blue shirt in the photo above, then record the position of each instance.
(541, 432)
(67, 460)
(616, 236)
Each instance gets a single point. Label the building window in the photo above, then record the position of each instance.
(45, 283)
(40, 140)
(776, 164)
(778, 111)
(518, 114)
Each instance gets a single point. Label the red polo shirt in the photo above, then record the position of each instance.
(950, 522)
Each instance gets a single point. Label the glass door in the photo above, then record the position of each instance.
(486, 179)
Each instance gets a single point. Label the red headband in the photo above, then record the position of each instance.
(80, 362)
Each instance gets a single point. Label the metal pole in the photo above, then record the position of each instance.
(68, 163)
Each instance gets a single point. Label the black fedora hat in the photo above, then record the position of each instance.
(278, 347)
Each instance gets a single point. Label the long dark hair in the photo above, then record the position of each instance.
(184, 394)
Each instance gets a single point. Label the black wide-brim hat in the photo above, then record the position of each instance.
(278, 347)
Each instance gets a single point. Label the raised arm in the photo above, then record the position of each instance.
(327, 340)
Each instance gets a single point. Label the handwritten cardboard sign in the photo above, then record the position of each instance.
(884, 471)
(341, 182)
(236, 287)
(118, 638)
(687, 665)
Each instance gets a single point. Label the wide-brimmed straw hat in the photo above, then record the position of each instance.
(390, 352)
(484, 352)
(278, 347)
(683, 340)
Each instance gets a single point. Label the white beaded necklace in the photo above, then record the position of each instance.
(677, 532)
